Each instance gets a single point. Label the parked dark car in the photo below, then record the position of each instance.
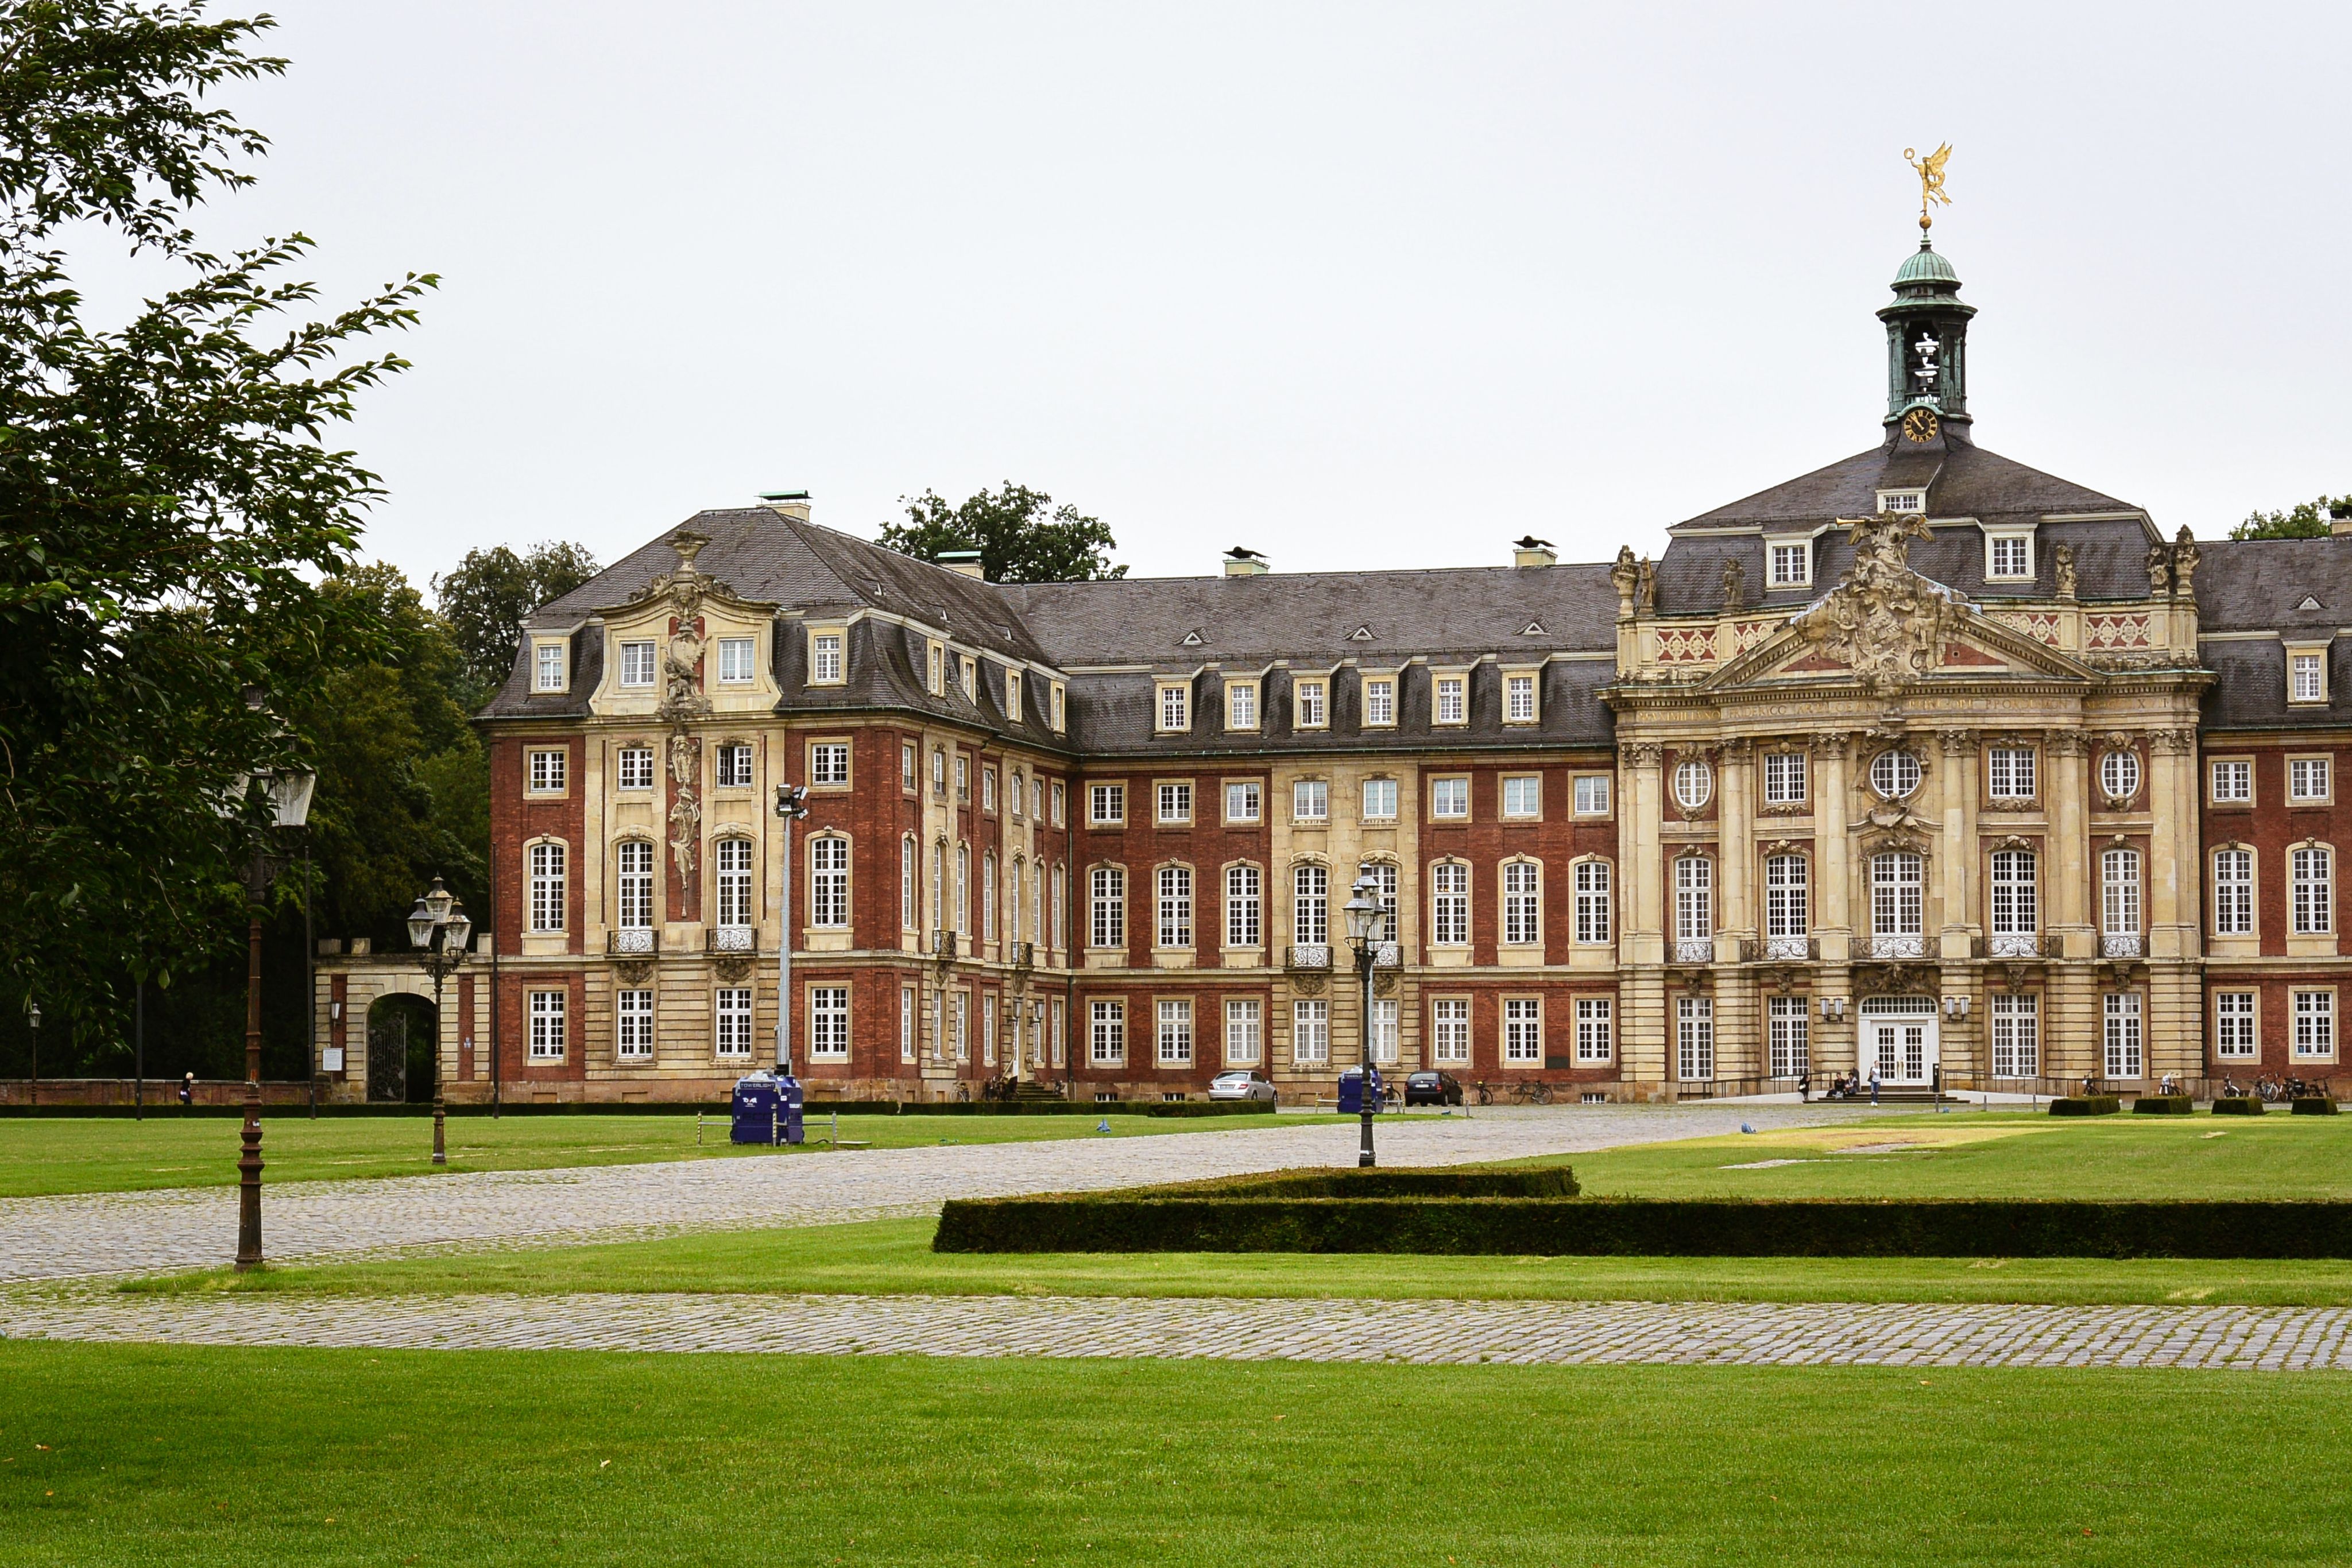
(1432, 1088)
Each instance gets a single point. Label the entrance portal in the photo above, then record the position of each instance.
(400, 1049)
(1898, 1038)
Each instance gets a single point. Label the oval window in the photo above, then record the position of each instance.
(1693, 782)
(1894, 774)
(2119, 775)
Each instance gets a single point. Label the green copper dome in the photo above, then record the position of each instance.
(1923, 266)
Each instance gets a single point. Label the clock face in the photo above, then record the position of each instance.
(1919, 424)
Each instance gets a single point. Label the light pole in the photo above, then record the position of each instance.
(438, 928)
(283, 800)
(792, 805)
(1363, 912)
(33, 1023)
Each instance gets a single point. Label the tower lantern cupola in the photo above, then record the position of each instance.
(1926, 344)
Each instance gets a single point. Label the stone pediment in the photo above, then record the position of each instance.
(685, 593)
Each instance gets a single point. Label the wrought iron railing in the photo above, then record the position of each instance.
(733, 939)
(2018, 945)
(1309, 955)
(2120, 944)
(1779, 949)
(631, 939)
(1898, 947)
(1694, 950)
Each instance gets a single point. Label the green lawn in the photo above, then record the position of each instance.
(1995, 1155)
(141, 1454)
(41, 1156)
(894, 1257)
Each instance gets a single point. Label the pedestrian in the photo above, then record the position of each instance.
(187, 1090)
(1874, 1085)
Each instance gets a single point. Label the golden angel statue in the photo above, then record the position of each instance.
(1930, 170)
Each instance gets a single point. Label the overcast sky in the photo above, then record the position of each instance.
(1354, 285)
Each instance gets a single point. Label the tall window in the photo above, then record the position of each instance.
(1379, 701)
(1519, 699)
(1309, 697)
(1243, 899)
(2234, 1025)
(1452, 700)
(2315, 1025)
(1787, 909)
(633, 1024)
(988, 1030)
(2016, 894)
(1384, 894)
(1449, 798)
(907, 766)
(907, 909)
(2234, 783)
(634, 864)
(1784, 778)
(1311, 1033)
(550, 666)
(1107, 1033)
(1790, 1027)
(1310, 799)
(547, 911)
(1061, 881)
(1175, 906)
(1241, 707)
(1012, 695)
(1013, 887)
(733, 858)
(2310, 677)
(988, 895)
(828, 882)
(731, 767)
(1592, 901)
(734, 1017)
(1897, 904)
(1175, 1045)
(2016, 1036)
(824, 658)
(1310, 906)
(960, 1029)
(1522, 1032)
(1522, 906)
(1449, 1030)
(1245, 1031)
(828, 763)
(635, 767)
(829, 1023)
(1693, 898)
(2119, 893)
(1243, 801)
(1108, 903)
(1384, 1032)
(1523, 795)
(1449, 904)
(1694, 1039)
(2307, 779)
(1595, 1028)
(1012, 794)
(2233, 893)
(547, 1026)
(906, 1023)
(2009, 770)
(939, 887)
(963, 888)
(2123, 1034)
(1176, 801)
(1175, 707)
(2310, 874)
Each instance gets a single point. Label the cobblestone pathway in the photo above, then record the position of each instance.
(1511, 1332)
(149, 1232)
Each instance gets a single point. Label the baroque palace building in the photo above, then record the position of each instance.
(1922, 760)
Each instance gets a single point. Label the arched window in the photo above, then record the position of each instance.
(546, 887)
(1110, 900)
(2119, 903)
(633, 865)
(1175, 906)
(1787, 906)
(1243, 913)
(2015, 903)
(1593, 906)
(2233, 893)
(1522, 903)
(1060, 924)
(1310, 906)
(1014, 886)
(939, 885)
(909, 908)
(1694, 909)
(733, 859)
(988, 895)
(1037, 903)
(1449, 904)
(829, 882)
(2311, 876)
(963, 889)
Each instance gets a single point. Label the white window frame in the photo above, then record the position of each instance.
(2233, 891)
(1449, 1030)
(1787, 1028)
(1174, 803)
(2302, 773)
(1387, 1031)
(2020, 572)
(633, 1023)
(828, 881)
(1311, 704)
(1593, 793)
(1310, 904)
(1896, 773)
(1694, 1040)
(1449, 700)
(1379, 702)
(2120, 891)
(1693, 783)
(828, 665)
(737, 901)
(2306, 660)
(633, 885)
(2013, 893)
(1173, 1040)
(1173, 929)
(829, 765)
(1523, 786)
(1244, 907)
(1243, 1044)
(738, 661)
(1249, 796)
(828, 1023)
(1171, 707)
(1106, 1032)
(2016, 1034)
(1596, 1031)
(1106, 805)
(1788, 898)
(1595, 902)
(2230, 781)
(549, 887)
(550, 665)
(1523, 1032)
(1521, 697)
(632, 768)
(1693, 898)
(1789, 563)
(2010, 773)
(548, 1025)
(1902, 500)
(731, 766)
(1449, 904)
(1449, 798)
(1240, 705)
(550, 770)
(1379, 799)
(2120, 773)
(1106, 907)
(1899, 894)
(1522, 883)
(636, 664)
(2311, 884)
(1310, 1032)
(2236, 1026)
(2124, 1036)
(1310, 799)
(1785, 780)
(732, 1009)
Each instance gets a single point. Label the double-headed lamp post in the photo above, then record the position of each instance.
(438, 929)
(1363, 911)
(281, 800)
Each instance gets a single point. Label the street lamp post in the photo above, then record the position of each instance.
(792, 804)
(438, 929)
(33, 1023)
(1363, 911)
(282, 800)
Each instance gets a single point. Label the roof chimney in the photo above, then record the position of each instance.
(793, 504)
(2339, 519)
(966, 561)
(1240, 561)
(1533, 552)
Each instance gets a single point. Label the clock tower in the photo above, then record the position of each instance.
(1926, 350)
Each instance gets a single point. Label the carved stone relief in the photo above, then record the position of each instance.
(1883, 619)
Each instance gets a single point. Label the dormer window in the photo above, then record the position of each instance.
(1175, 707)
(971, 680)
(547, 666)
(1902, 500)
(1451, 704)
(1309, 697)
(1791, 565)
(1012, 695)
(636, 664)
(2307, 673)
(2008, 557)
(1053, 704)
(824, 658)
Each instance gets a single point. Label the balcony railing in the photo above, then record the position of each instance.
(631, 939)
(1386, 956)
(2120, 944)
(2018, 945)
(1694, 950)
(1309, 955)
(733, 939)
(1898, 947)
(1778, 950)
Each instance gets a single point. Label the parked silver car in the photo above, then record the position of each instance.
(1241, 1084)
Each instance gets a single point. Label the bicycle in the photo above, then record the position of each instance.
(1532, 1092)
(1486, 1094)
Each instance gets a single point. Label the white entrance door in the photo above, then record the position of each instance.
(1899, 1039)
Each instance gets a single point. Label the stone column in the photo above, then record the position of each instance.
(1737, 831)
(1640, 855)
(2069, 849)
(1834, 916)
(1957, 877)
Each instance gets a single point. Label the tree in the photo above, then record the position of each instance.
(2306, 521)
(1020, 535)
(491, 593)
(169, 502)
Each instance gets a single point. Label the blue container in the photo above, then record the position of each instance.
(768, 1110)
(1351, 1092)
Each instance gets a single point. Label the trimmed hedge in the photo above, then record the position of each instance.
(2315, 1105)
(1704, 1227)
(2087, 1105)
(2238, 1105)
(1036, 1108)
(1353, 1181)
(2163, 1105)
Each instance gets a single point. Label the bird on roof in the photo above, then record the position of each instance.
(1531, 542)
